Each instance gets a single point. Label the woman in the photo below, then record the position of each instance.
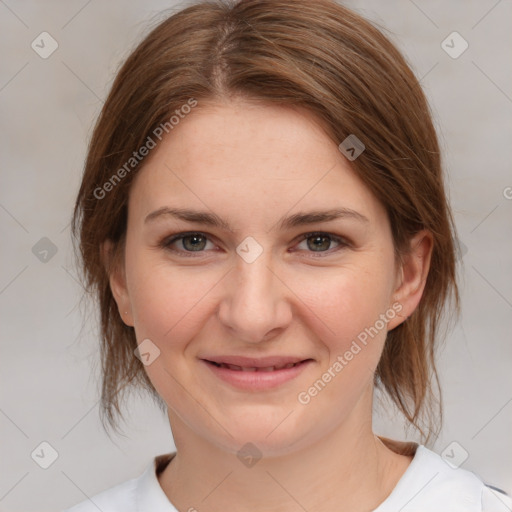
(263, 220)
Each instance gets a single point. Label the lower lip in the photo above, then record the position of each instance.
(258, 380)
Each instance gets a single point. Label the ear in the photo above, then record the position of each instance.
(117, 279)
(412, 275)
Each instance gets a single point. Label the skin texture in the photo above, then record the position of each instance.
(252, 164)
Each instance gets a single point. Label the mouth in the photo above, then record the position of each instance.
(237, 368)
(251, 374)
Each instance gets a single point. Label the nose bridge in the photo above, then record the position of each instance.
(255, 303)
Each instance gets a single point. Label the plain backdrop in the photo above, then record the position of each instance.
(49, 372)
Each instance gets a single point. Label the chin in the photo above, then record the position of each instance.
(265, 435)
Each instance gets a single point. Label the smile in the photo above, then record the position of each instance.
(254, 368)
(256, 375)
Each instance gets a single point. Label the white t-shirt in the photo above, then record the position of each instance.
(428, 485)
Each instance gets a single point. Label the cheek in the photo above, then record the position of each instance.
(168, 302)
(170, 308)
(350, 319)
(345, 304)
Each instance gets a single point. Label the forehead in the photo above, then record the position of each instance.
(245, 156)
(222, 135)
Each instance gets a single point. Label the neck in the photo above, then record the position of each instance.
(350, 469)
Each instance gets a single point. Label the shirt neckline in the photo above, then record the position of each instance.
(149, 494)
(406, 477)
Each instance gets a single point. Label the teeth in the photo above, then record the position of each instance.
(254, 369)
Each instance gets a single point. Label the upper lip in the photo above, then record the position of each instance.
(255, 362)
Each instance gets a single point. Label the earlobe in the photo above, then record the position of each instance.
(117, 281)
(413, 274)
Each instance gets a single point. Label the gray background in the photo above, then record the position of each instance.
(49, 369)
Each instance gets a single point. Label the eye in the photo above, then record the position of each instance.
(189, 242)
(186, 244)
(320, 242)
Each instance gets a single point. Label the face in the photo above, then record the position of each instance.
(268, 285)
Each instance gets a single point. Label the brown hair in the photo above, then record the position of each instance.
(317, 55)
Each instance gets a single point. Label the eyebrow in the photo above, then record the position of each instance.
(295, 220)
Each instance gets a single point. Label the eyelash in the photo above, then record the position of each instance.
(166, 243)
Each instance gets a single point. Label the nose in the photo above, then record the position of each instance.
(257, 303)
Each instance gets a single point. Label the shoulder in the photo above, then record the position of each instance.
(138, 494)
(495, 500)
(432, 484)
